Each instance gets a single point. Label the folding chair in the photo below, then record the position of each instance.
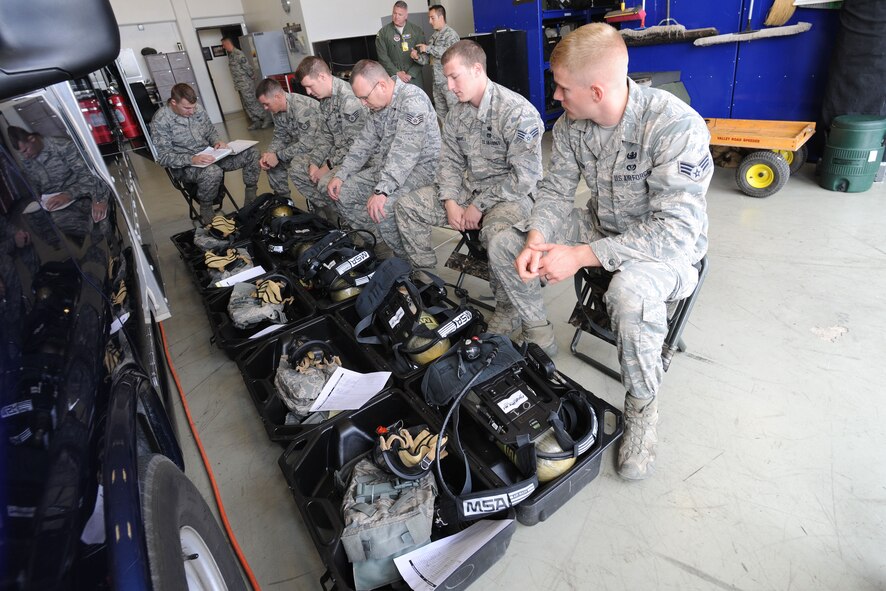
(474, 262)
(590, 315)
(189, 192)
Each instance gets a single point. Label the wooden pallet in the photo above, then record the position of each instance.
(760, 134)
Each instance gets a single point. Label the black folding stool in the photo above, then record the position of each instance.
(189, 192)
(473, 262)
(590, 315)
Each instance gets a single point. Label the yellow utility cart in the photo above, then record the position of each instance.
(775, 150)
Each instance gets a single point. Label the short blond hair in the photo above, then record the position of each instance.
(591, 48)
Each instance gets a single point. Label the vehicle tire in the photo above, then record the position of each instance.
(795, 159)
(178, 523)
(762, 173)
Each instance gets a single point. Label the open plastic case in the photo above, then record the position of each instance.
(259, 366)
(236, 341)
(488, 460)
(309, 464)
(348, 315)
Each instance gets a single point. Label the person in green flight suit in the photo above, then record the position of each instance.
(394, 43)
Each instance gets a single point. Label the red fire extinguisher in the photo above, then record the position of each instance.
(128, 124)
(98, 125)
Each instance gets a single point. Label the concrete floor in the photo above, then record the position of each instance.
(770, 470)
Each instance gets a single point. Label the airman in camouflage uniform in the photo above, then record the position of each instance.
(394, 44)
(181, 130)
(54, 165)
(442, 39)
(244, 81)
(296, 121)
(645, 158)
(396, 153)
(342, 117)
(490, 164)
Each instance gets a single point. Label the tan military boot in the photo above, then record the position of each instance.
(505, 320)
(542, 335)
(206, 213)
(636, 456)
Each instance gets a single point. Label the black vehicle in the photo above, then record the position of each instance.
(92, 488)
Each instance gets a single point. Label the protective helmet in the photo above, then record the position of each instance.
(416, 342)
(340, 289)
(297, 249)
(552, 460)
(281, 211)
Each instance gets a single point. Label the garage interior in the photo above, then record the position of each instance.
(770, 471)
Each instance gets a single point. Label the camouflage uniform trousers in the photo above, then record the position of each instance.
(417, 211)
(444, 100)
(315, 194)
(636, 300)
(355, 192)
(209, 179)
(278, 177)
(250, 104)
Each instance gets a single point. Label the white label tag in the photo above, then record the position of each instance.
(395, 319)
(265, 331)
(14, 409)
(241, 276)
(276, 248)
(513, 402)
(872, 157)
(17, 511)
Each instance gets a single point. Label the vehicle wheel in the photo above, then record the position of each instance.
(186, 547)
(795, 159)
(762, 173)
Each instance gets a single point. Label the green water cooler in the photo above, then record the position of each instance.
(853, 153)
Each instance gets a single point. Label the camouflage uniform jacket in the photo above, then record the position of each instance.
(295, 128)
(241, 69)
(647, 183)
(392, 57)
(397, 139)
(177, 138)
(342, 118)
(439, 42)
(59, 167)
(497, 144)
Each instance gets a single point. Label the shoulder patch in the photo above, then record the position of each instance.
(694, 171)
(414, 119)
(527, 132)
(352, 116)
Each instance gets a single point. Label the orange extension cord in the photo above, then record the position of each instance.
(221, 508)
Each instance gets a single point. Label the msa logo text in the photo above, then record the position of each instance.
(352, 262)
(485, 505)
(456, 323)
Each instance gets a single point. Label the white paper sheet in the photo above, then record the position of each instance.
(267, 330)
(239, 145)
(427, 567)
(44, 199)
(94, 530)
(218, 154)
(241, 276)
(349, 390)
